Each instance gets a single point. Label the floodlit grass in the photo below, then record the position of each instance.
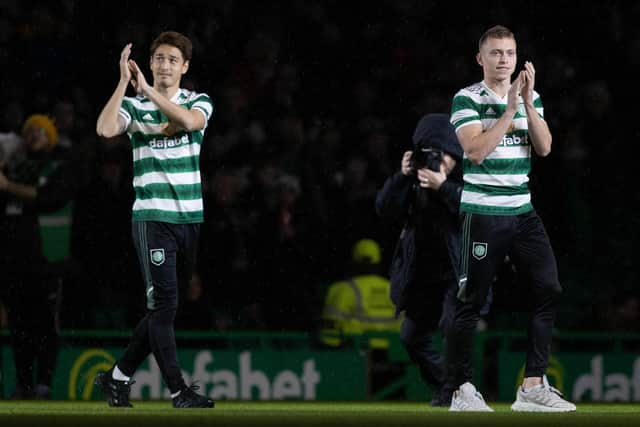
(371, 414)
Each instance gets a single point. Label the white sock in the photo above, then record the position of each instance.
(176, 394)
(118, 375)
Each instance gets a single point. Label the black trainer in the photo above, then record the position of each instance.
(188, 398)
(116, 392)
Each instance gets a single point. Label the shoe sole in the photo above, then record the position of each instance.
(194, 407)
(534, 407)
(211, 404)
(454, 409)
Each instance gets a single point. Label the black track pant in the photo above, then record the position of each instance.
(428, 310)
(166, 252)
(487, 239)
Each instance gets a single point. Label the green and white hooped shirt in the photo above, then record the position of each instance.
(166, 161)
(498, 185)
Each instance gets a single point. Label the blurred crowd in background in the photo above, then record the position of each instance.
(315, 102)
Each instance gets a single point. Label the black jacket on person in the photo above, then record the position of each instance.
(431, 231)
(428, 249)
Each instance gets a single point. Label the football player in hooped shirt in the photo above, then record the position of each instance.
(165, 124)
(498, 122)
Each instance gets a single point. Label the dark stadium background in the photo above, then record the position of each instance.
(315, 102)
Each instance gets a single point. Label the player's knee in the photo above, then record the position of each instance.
(548, 296)
(165, 299)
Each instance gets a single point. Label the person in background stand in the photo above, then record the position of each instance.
(360, 303)
(32, 182)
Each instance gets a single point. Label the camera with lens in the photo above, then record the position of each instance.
(429, 158)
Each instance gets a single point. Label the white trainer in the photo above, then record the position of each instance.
(541, 398)
(467, 398)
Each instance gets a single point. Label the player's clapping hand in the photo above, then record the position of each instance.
(512, 96)
(125, 73)
(528, 82)
(138, 81)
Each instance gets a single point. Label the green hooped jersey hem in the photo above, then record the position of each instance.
(495, 210)
(162, 216)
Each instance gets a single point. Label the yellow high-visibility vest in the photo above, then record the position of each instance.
(357, 306)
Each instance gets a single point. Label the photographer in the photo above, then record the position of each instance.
(425, 196)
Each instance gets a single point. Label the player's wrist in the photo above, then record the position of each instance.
(123, 82)
(145, 90)
(510, 112)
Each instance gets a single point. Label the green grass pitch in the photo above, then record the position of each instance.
(295, 413)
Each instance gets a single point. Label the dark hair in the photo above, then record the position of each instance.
(497, 32)
(175, 39)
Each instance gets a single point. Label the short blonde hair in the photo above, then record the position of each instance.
(496, 32)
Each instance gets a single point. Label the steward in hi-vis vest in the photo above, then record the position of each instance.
(361, 303)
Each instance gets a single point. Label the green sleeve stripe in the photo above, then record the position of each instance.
(207, 114)
(199, 99)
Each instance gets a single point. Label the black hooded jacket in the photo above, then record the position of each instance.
(428, 249)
